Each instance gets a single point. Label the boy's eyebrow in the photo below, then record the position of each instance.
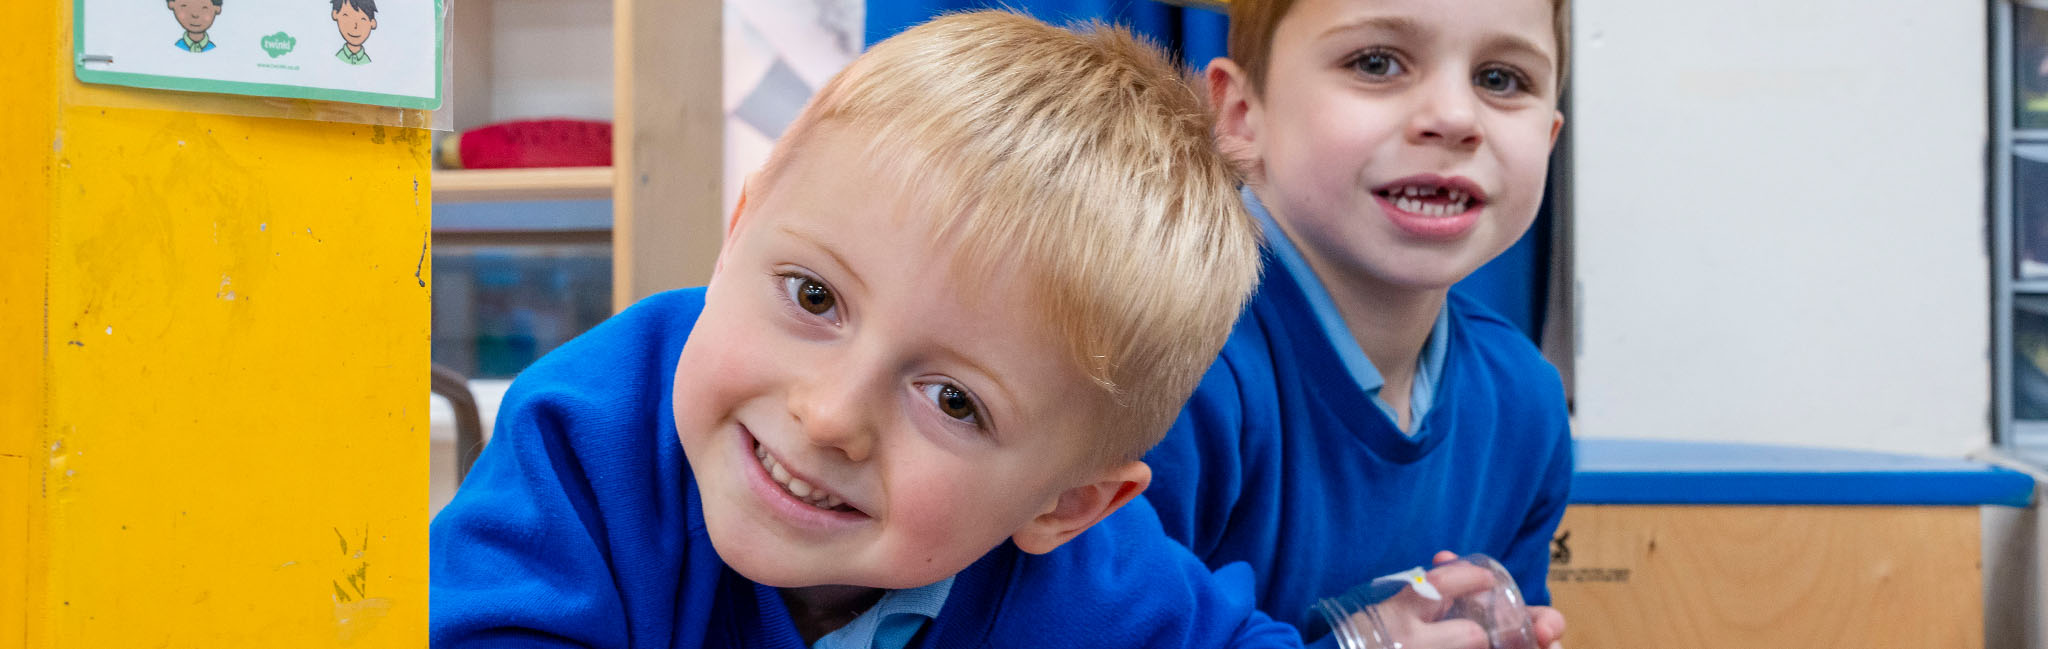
(1399, 24)
(820, 245)
(1516, 42)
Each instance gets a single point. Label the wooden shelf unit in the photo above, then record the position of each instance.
(667, 148)
(545, 184)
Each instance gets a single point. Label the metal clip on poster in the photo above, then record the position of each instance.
(332, 60)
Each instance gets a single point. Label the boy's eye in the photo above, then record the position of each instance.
(1499, 81)
(953, 401)
(1376, 64)
(810, 294)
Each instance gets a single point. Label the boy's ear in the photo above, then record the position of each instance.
(732, 222)
(1238, 115)
(732, 226)
(1556, 124)
(1081, 507)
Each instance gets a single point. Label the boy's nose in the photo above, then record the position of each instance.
(836, 410)
(1446, 114)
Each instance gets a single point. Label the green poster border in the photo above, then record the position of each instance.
(161, 82)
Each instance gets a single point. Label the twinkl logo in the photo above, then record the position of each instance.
(278, 44)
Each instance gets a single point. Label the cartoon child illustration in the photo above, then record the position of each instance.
(355, 18)
(196, 16)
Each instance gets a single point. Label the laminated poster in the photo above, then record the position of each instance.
(380, 52)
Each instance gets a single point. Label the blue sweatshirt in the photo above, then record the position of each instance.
(580, 526)
(1281, 461)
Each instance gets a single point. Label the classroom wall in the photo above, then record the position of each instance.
(551, 59)
(1780, 222)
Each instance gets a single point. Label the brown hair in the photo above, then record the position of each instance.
(1252, 23)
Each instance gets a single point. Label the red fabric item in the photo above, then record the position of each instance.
(537, 143)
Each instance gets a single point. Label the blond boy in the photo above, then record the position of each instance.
(1362, 416)
(969, 290)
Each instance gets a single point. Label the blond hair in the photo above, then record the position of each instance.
(1085, 157)
(1252, 23)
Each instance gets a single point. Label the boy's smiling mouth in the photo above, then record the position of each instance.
(1432, 196)
(796, 487)
(1431, 207)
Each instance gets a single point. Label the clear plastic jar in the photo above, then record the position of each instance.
(1406, 610)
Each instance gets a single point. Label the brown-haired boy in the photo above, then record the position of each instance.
(1362, 416)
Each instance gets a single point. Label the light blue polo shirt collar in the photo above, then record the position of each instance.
(892, 621)
(1429, 366)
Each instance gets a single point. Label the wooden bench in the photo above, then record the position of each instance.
(1679, 545)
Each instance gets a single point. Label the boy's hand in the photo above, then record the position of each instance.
(1548, 621)
(1406, 618)
(1408, 615)
(1549, 626)
(1464, 579)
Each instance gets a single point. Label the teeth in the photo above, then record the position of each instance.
(1448, 201)
(797, 487)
